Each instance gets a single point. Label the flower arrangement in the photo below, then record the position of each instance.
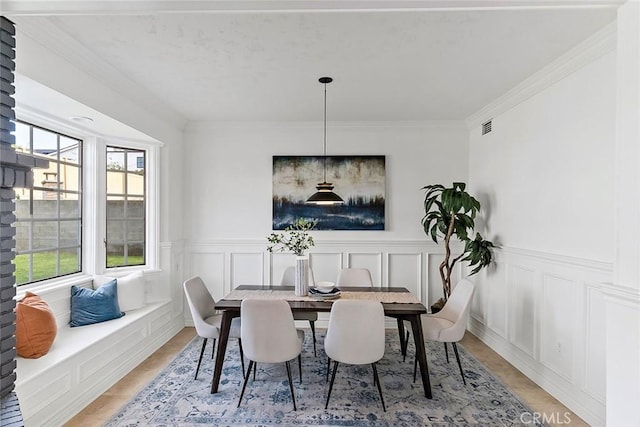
(295, 238)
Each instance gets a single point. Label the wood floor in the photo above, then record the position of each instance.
(101, 409)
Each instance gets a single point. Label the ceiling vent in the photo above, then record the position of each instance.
(486, 127)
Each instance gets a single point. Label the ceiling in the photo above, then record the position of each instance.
(389, 63)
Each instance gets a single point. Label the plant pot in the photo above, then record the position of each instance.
(437, 306)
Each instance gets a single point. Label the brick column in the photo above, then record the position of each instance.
(15, 171)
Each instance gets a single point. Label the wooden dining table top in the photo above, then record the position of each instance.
(318, 305)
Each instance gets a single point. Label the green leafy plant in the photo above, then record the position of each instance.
(452, 211)
(295, 238)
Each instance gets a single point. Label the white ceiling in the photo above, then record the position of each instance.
(388, 63)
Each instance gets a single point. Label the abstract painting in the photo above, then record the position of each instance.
(359, 180)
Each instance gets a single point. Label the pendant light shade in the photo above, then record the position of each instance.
(325, 194)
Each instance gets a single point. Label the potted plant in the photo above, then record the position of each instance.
(296, 239)
(451, 212)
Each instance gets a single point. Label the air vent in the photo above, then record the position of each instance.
(486, 127)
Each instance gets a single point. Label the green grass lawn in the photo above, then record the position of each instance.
(44, 265)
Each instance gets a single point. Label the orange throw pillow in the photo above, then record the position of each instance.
(35, 327)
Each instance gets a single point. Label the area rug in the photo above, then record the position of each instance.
(174, 398)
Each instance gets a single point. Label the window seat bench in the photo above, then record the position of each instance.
(86, 361)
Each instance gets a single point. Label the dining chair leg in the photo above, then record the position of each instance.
(241, 355)
(255, 368)
(333, 377)
(328, 367)
(446, 351)
(312, 323)
(455, 349)
(213, 349)
(406, 345)
(377, 381)
(204, 344)
(246, 379)
(415, 368)
(293, 397)
(300, 367)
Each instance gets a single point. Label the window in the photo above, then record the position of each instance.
(126, 207)
(49, 215)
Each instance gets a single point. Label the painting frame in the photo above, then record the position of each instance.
(359, 179)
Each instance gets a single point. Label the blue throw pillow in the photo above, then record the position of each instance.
(90, 306)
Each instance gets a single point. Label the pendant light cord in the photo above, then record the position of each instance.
(324, 158)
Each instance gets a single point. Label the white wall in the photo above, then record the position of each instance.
(228, 193)
(546, 169)
(546, 174)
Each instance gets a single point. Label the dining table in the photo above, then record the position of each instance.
(397, 302)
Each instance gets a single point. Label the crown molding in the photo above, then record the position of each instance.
(86, 7)
(198, 126)
(601, 43)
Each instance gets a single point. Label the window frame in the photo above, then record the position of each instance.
(93, 252)
(58, 219)
(126, 196)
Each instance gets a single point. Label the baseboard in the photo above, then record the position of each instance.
(590, 410)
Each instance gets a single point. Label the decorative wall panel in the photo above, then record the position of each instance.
(372, 261)
(211, 268)
(522, 306)
(405, 270)
(558, 323)
(595, 343)
(498, 300)
(247, 269)
(326, 266)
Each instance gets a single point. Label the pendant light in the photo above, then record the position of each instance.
(325, 195)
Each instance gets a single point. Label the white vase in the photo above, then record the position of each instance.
(302, 276)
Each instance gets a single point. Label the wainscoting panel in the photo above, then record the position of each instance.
(406, 270)
(558, 324)
(247, 268)
(372, 261)
(434, 282)
(522, 306)
(596, 338)
(211, 268)
(497, 300)
(326, 266)
(279, 263)
(555, 333)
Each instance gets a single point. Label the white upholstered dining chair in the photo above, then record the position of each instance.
(205, 319)
(354, 277)
(449, 324)
(355, 336)
(270, 336)
(362, 277)
(288, 278)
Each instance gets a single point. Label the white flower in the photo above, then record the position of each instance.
(295, 238)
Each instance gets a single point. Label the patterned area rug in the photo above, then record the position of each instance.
(174, 398)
